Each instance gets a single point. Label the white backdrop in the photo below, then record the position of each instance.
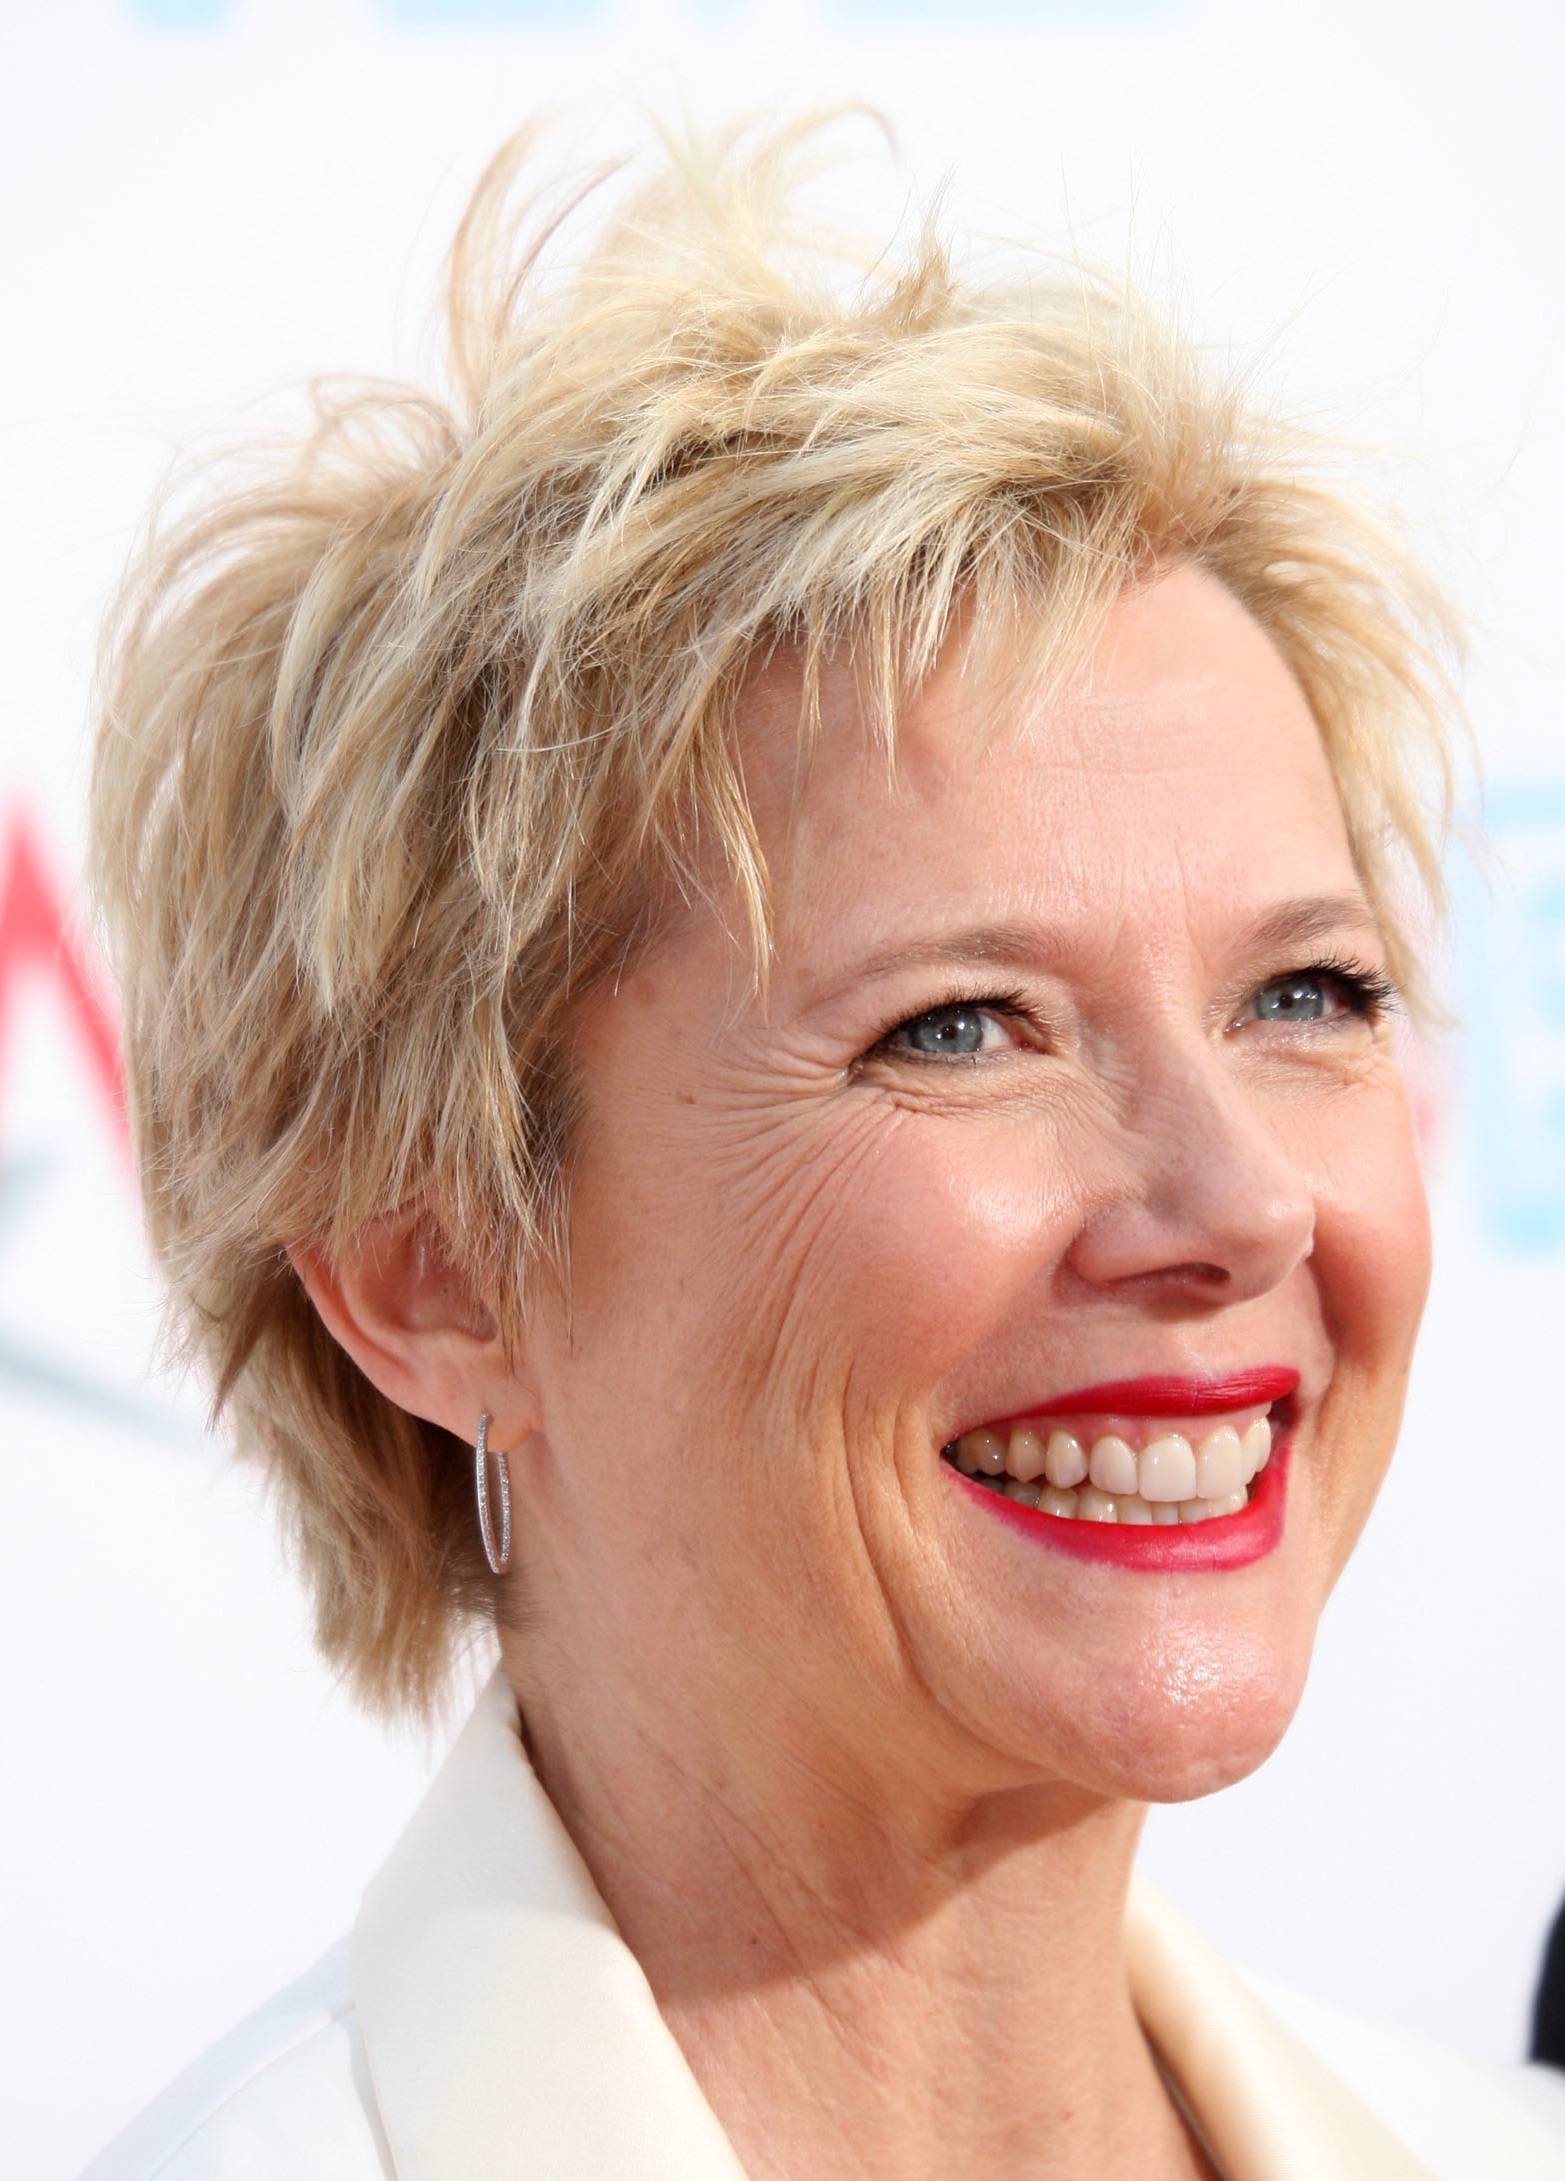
(207, 199)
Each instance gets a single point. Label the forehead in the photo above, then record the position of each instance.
(1179, 773)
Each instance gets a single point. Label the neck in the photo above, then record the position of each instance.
(870, 1977)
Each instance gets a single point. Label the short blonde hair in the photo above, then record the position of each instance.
(402, 736)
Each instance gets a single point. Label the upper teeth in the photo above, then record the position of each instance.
(1169, 1468)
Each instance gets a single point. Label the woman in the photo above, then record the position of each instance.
(760, 969)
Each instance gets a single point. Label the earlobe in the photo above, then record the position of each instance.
(410, 1321)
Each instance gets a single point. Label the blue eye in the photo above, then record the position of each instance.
(1297, 998)
(944, 1032)
(955, 1030)
(988, 1028)
(1324, 990)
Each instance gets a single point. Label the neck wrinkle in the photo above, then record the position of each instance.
(941, 1997)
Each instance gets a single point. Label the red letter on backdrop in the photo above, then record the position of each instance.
(37, 937)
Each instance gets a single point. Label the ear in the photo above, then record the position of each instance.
(418, 1332)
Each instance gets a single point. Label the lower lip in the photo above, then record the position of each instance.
(1224, 1541)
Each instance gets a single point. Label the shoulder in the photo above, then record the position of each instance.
(1462, 2117)
(285, 2092)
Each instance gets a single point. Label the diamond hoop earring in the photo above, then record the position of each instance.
(498, 1556)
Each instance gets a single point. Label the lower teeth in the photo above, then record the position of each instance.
(1087, 1504)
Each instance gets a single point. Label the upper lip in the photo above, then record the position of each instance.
(1169, 1396)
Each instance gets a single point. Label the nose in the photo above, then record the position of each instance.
(1203, 1201)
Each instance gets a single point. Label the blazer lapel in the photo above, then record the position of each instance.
(510, 2034)
(1268, 2108)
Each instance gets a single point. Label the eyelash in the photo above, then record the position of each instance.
(1013, 1004)
(1369, 993)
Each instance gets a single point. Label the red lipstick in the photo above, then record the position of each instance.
(1162, 1397)
(1223, 1541)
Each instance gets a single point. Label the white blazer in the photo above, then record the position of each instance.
(484, 2021)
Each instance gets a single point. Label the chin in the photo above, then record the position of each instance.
(1191, 1717)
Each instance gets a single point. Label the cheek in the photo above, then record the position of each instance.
(1371, 1269)
(814, 1280)
(1372, 1236)
(924, 1256)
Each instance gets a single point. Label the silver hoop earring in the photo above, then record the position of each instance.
(498, 1556)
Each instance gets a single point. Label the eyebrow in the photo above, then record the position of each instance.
(1025, 945)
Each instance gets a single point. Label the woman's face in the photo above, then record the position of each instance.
(1048, 1090)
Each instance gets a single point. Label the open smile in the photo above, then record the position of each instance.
(1152, 1473)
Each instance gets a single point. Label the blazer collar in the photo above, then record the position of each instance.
(509, 2029)
(1266, 2106)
